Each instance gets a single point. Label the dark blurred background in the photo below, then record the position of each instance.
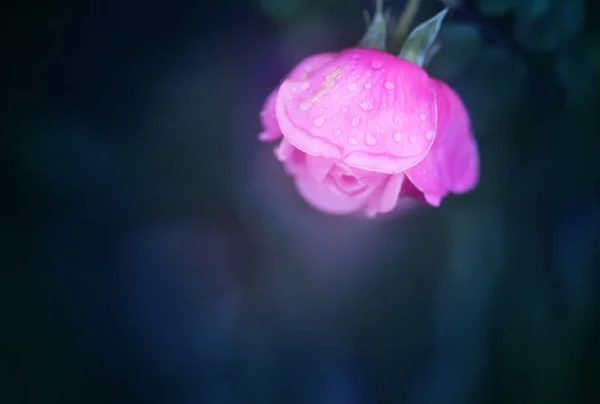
(153, 251)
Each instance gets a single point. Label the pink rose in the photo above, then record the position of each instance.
(363, 128)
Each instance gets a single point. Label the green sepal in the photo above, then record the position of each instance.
(420, 43)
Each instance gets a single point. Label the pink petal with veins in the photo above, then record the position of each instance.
(366, 108)
(452, 164)
(303, 70)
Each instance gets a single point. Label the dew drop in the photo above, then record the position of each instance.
(355, 121)
(423, 117)
(368, 85)
(337, 132)
(370, 140)
(305, 85)
(352, 140)
(389, 85)
(412, 138)
(376, 64)
(305, 106)
(398, 137)
(367, 105)
(352, 87)
(429, 135)
(319, 121)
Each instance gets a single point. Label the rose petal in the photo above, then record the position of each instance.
(462, 161)
(293, 159)
(268, 118)
(318, 167)
(409, 190)
(368, 108)
(285, 151)
(349, 185)
(452, 165)
(309, 65)
(391, 192)
(321, 196)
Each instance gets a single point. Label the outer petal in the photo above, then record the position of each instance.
(367, 108)
(309, 65)
(462, 160)
(268, 118)
(452, 164)
(293, 159)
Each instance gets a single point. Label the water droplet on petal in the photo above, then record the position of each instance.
(319, 121)
(337, 132)
(412, 138)
(305, 85)
(352, 87)
(368, 85)
(370, 140)
(376, 64)
(305, 106)
(367, 105)
(352, 140)
(398, 137)
(355, 121)
(423, 117)
(429, 135)
(389, 85)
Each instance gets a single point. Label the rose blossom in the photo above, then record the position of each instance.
(363, 128)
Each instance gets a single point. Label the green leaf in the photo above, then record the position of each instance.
(420, 42)
(376, 34)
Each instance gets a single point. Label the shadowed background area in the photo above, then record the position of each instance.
(154, 251)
